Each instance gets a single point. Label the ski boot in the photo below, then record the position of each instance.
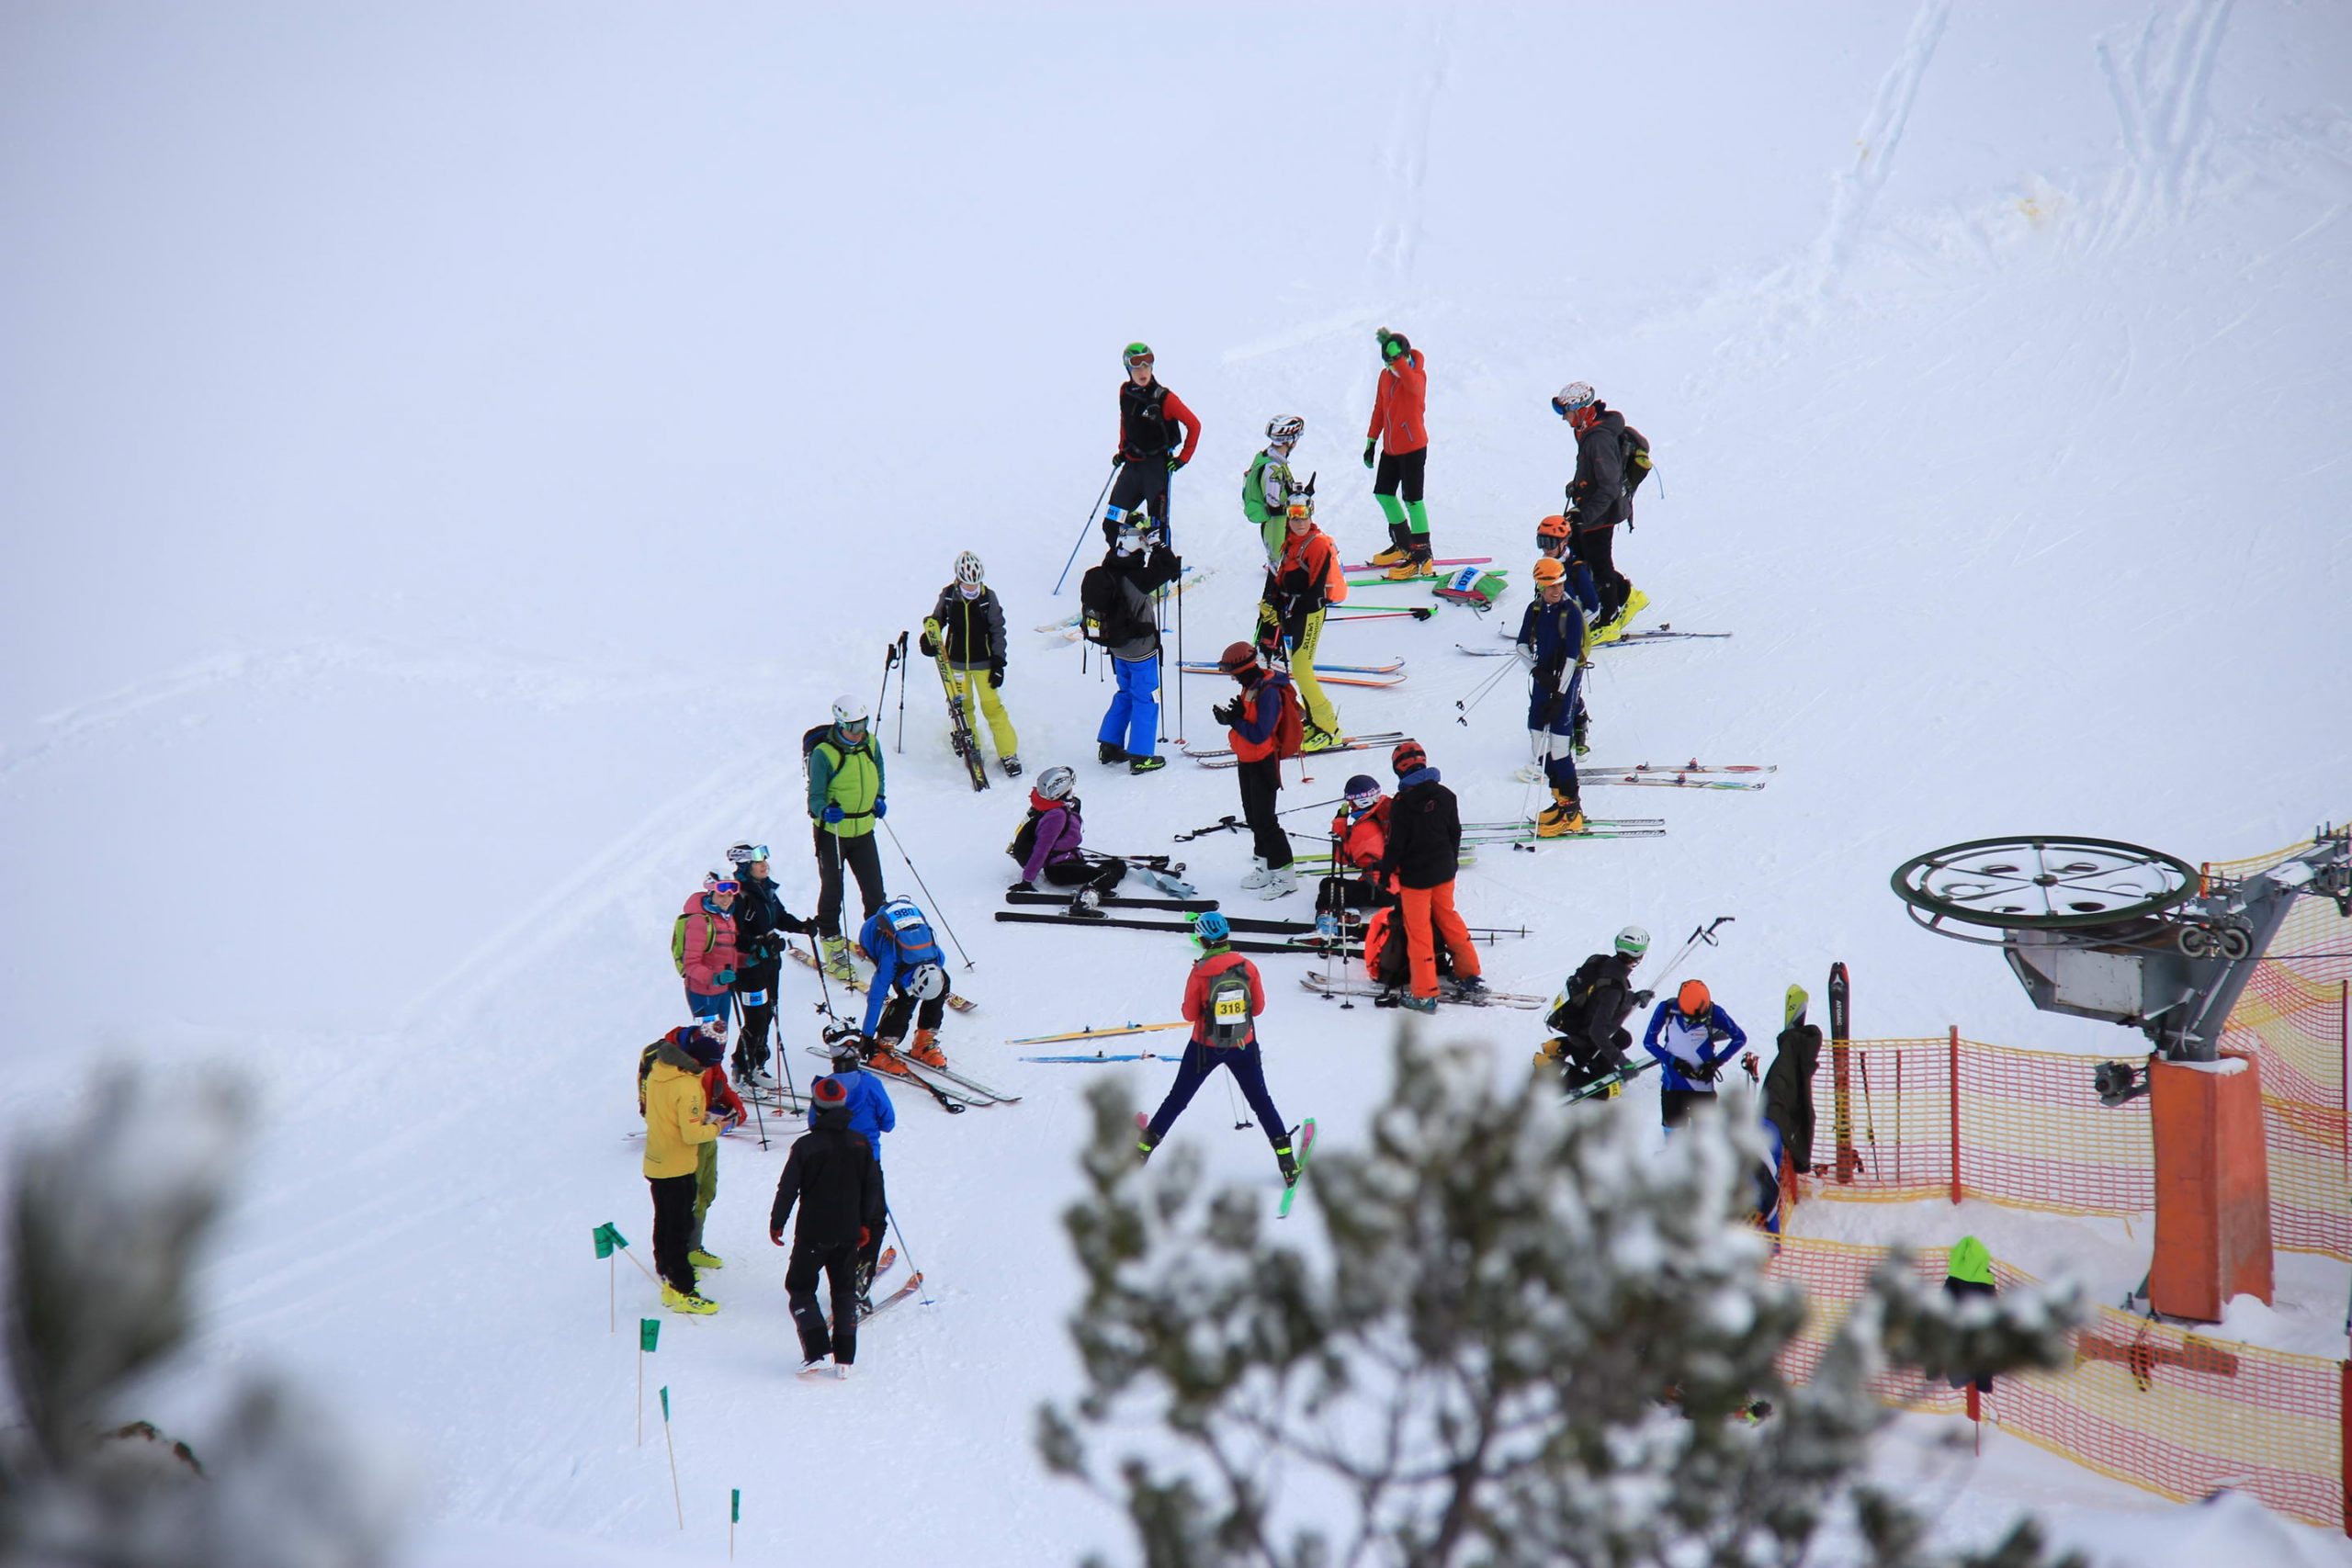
(1010, 763)
(1400, 546)
(1467, 988)
(837, 958)
(1108, 754)
(702, 1259)
(1314, 739)
(1417, 563)
(926, 1049)
(884, 1058)
(1259, 873)
(1145, 1141)
(1151, 764)
(1326, 926)
(1281, 883)
(1086, 903)
(1289, 1162)
(1411, 1003)
(1563, 817)
(677, 1301)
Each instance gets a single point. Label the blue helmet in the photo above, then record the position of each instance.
(1210, 928)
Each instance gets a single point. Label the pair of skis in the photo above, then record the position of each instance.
(1065, 626)
(1329, 985)
(1382, 675)
(1302, 1142)
(857, 982)
(956, 1092)
(1223, 756)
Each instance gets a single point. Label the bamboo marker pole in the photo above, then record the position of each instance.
(676, 1496)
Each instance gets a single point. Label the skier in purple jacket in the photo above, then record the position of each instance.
(1048, 844)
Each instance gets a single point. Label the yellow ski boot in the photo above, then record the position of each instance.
(1560, 819)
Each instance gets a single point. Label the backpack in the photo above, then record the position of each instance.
(1025, 840)
(1473, 585)
(1290, 729)
(1104, 615)
(1635, 448)
(1225, 1007)
(678, 937)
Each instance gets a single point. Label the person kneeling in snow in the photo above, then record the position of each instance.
(832, 1175)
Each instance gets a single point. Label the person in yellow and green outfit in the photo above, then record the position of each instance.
(677, 1124)
(1303, 581)
(846, 799)
(1265, 485)
(968, 623)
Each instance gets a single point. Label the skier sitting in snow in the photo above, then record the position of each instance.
(966, 625)
(833, 1176)
(1588, 1019)
(1359, 840)
(1683, 1035)
(910, 984)
(1048, 844)
(871, 1114)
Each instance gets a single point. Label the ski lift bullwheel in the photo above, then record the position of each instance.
(2042, 884)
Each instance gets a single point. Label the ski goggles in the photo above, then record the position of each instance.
(721, 884)
(758, 852)
(1363, 802)
(1138, 361)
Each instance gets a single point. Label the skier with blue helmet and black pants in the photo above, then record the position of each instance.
(1684, 1035)
(1223, 997)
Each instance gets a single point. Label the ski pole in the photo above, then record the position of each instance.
(1169, 530)
(930, 902)
(892, 1215)
(1464, 706)
(1312, 806)
(824, 989)
(889, 660)
(902, 694)
(1705, 934)
(1084, 531)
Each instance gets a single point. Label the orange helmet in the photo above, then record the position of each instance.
(1553, 527)
(1692, 999)
(1549, 569)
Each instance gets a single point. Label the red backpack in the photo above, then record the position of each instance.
(1290, 731)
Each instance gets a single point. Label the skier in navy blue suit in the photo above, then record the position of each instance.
(1691, 1038)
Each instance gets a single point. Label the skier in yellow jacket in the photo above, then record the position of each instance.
(677, 1121)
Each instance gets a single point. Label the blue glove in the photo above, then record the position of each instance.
(881, 807)
(832, 814)
(726, 976)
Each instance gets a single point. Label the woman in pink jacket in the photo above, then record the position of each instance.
(703, 945)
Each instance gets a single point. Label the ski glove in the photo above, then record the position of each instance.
(881, 807)
(1174, 464)
(864, 1235)
(775, 1238)
(930, 648)
(726, 976)
(1644, 999)
(1368, 447)
(996, 674)
(1227, 713)
(833, 815)
(1022, 886)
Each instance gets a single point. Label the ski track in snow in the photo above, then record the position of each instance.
(1876, 143)
(2161, 106)
(1404, 161)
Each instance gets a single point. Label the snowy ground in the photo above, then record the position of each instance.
(451, 456)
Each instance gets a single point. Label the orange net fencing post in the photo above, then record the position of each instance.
(2176, 1413)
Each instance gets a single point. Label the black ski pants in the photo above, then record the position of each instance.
(899, 1010)
(673, 1229)
(1400, 474)
(1248, 1070)
(1675, 1105)
(1099, 874)
(751, 1035)
(1139, 480)
(837, 1263)
(1337, 893)
(865, 863)
(1262, 782)
(1592, 547)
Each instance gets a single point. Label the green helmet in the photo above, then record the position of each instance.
(1135, 354)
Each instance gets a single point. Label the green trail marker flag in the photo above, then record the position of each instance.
(608, 1237)
(649, 1333)
(735, 1505)
(665, 1403)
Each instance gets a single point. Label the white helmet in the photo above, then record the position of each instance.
(967, 570)
(1634, 940)
(1286, 430)
(1055, 782)
(1572, 397)
(926, 982)
(849, 710)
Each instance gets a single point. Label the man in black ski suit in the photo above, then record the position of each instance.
(762, 922)
(1150, 419)
(832, 1175)
(1788, 1083)
(1600, 495)
(1587, 1022)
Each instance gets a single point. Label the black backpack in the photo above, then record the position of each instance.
(1634, 451)
(1027, 839)
(1106, 615)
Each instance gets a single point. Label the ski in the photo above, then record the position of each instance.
(857, 982)
(1208, 667)
(1509, 650)
(1090, 1034)
(1626, 639)
(1606, 1086)
(1115, 901)
(1521, 827)
(914, 1283)
(1529, 839)
(959, 723)
(1323, 677)
(1302, 1138)
(1694, 766)
(1223, 757)
(1441, 560)
(954, 1102)
(1118, 922)
(1107, 1057)
(1329, 985)
(1664, 781)
(968, 1087)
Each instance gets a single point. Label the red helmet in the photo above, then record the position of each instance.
(1238, 658)
(1407, 756)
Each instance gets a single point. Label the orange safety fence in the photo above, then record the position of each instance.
(1955, 1118)
(2179, 1413)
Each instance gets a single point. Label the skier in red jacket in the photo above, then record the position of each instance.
(1150, 417)
(1399, 433)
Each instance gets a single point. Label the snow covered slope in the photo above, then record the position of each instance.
(449, 460)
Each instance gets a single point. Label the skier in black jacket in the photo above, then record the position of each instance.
(1424, 852)
(1588, 1022)
(966, 625)
(1788, 1083)
(762, 922)
(833, 1174)
(1150, 419)
(1599, 496)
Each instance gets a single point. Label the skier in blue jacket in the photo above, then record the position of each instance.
(909, 984)
(1691, 1038)
(871, 1114)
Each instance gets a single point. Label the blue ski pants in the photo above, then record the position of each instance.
(1133, 721)
(1247, 1069)
(1551, 732)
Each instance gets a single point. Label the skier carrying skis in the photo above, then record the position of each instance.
(702, 944)
(1553, 633)
(1266, 484)
(1047, 843)
(1587, 1018)
(1223, 999)
(967, 623)
(1683, 1035)
(1359, 840)
(832, 1175)
(1300, 586)
(1612, 458)
(1116, 610)
(1424, 854)
(871, 1114)
(1264, 725)
(1150, 416)
(1399, 433)
(677, 1121)
(1788, 1082)
(910, 984)
(846, 799)
(705, 1046)
(762, 922)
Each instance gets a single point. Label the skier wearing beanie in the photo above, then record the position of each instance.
(1424, 852)
(1223, 997)
(1265, 724)
(1684, 1034)
(833, 1176)
(677, 1121)
(1048, 844)
(871, 1114)
(705, 1046)
(1400, 431)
